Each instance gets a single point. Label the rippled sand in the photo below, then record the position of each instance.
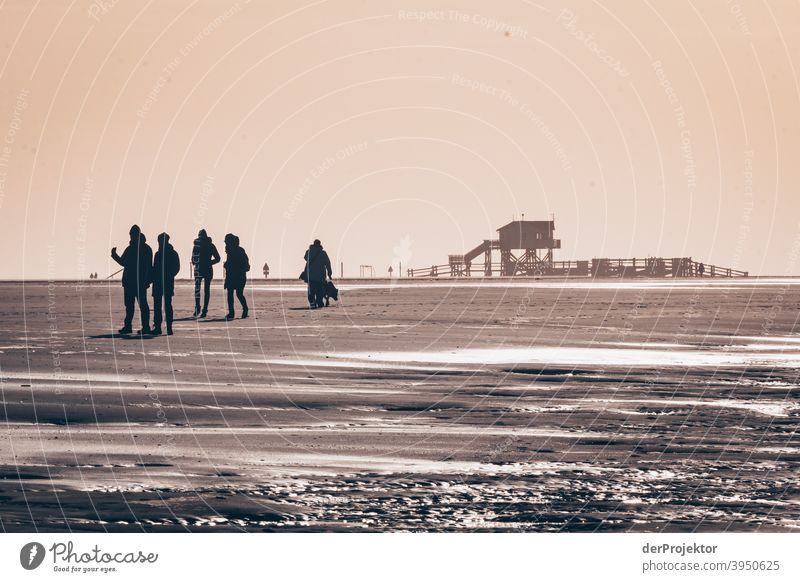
(538, 406)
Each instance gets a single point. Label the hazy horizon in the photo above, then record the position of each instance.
(397, 132)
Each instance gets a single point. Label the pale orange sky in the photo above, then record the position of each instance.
(397, 130)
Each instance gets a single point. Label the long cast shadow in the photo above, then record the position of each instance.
(132, 336)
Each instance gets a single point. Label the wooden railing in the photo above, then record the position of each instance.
(650, 267)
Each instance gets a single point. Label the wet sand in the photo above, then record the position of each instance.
(535, 406)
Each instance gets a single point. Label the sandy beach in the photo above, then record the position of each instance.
(617, 405)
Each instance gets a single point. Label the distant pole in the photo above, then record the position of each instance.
(341, 270)
(400, 270)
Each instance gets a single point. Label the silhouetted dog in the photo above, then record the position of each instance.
(331, 292)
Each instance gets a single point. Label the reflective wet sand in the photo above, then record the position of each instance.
(540, 407)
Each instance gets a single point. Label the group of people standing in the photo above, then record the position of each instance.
(141, 269)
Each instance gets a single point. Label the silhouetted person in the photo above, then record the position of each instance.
(266, 270)
(204, 257)
(137, 265)
(166, 266)
(318, 266)
(236, 266)
(701, 268)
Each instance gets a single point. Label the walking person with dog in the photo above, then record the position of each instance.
(317, 271)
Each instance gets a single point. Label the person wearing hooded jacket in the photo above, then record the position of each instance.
(166, 265)
(137, 264)
(237, 264)
(204, 256)
(318, 267)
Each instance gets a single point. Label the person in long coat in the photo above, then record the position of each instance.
(166, 265)
(237, 264)
(204, 257)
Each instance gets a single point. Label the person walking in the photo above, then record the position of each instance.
(237, 264)
(204, 257)
(137, 265)
(166, 266)
(318, 266)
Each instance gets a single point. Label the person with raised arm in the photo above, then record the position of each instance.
(137, 265)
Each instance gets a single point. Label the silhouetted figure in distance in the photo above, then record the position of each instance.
(318, 266)
(137, 265)
(237, 264)
(204, 257)
(166, 266)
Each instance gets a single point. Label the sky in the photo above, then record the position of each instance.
(398, 132)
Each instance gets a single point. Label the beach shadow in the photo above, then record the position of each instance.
(189, 318)
(132, 336)
(303, 308)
